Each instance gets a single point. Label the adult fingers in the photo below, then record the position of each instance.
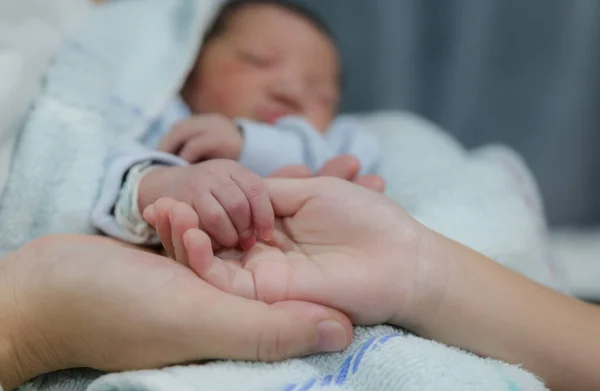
(294, 171)
(373, 182)
(344, 167)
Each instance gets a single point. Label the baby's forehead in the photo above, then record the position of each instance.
(261, 13)
(267, 25)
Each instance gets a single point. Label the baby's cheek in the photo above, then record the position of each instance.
(228, 89)
(216, 97)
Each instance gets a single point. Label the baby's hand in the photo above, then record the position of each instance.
(204, 137)
(221, 197)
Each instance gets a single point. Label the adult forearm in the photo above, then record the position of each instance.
(11, 373)
(495, 312)
(18, 363)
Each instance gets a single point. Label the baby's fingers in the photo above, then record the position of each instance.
(236, 204)
(215, 221)
(196, 149)
(177, 137)
(255, 190)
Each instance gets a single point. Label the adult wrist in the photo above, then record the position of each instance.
(431, 277)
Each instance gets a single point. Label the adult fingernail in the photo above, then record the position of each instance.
(332, 337)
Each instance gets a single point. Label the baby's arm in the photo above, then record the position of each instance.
(266, 148)
(116, 212)
(293, 141)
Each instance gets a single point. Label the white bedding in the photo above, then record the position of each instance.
(30, 32)
(578, 250)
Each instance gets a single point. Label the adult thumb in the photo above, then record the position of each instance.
(278, 331)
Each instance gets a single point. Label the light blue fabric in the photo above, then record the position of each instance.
(176, 111)
(292, 140)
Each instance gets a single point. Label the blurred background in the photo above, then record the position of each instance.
(522, 72)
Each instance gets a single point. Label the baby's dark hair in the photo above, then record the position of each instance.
(231, 7)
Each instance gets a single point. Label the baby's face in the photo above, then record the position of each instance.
(269, 62)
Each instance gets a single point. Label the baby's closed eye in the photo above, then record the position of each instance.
(255, 59)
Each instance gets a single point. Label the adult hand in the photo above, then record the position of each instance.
(76, 301)
(335, 244)
(355, 250)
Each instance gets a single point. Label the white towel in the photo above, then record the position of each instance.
(30, 32)
(111, 78)
(380, 359)
(579, 251)
(117, 74)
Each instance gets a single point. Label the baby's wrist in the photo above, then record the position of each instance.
(127, 211)
(152, 185)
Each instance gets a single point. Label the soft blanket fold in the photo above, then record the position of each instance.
(116, 74)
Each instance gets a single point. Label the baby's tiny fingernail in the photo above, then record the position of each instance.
(332, 337)
(266, 234)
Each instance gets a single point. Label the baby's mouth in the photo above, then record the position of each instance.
(271, 116)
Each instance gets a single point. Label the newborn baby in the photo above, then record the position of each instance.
(263, 94)
(264, 91)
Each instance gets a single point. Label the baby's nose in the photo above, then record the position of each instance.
(289, 91)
